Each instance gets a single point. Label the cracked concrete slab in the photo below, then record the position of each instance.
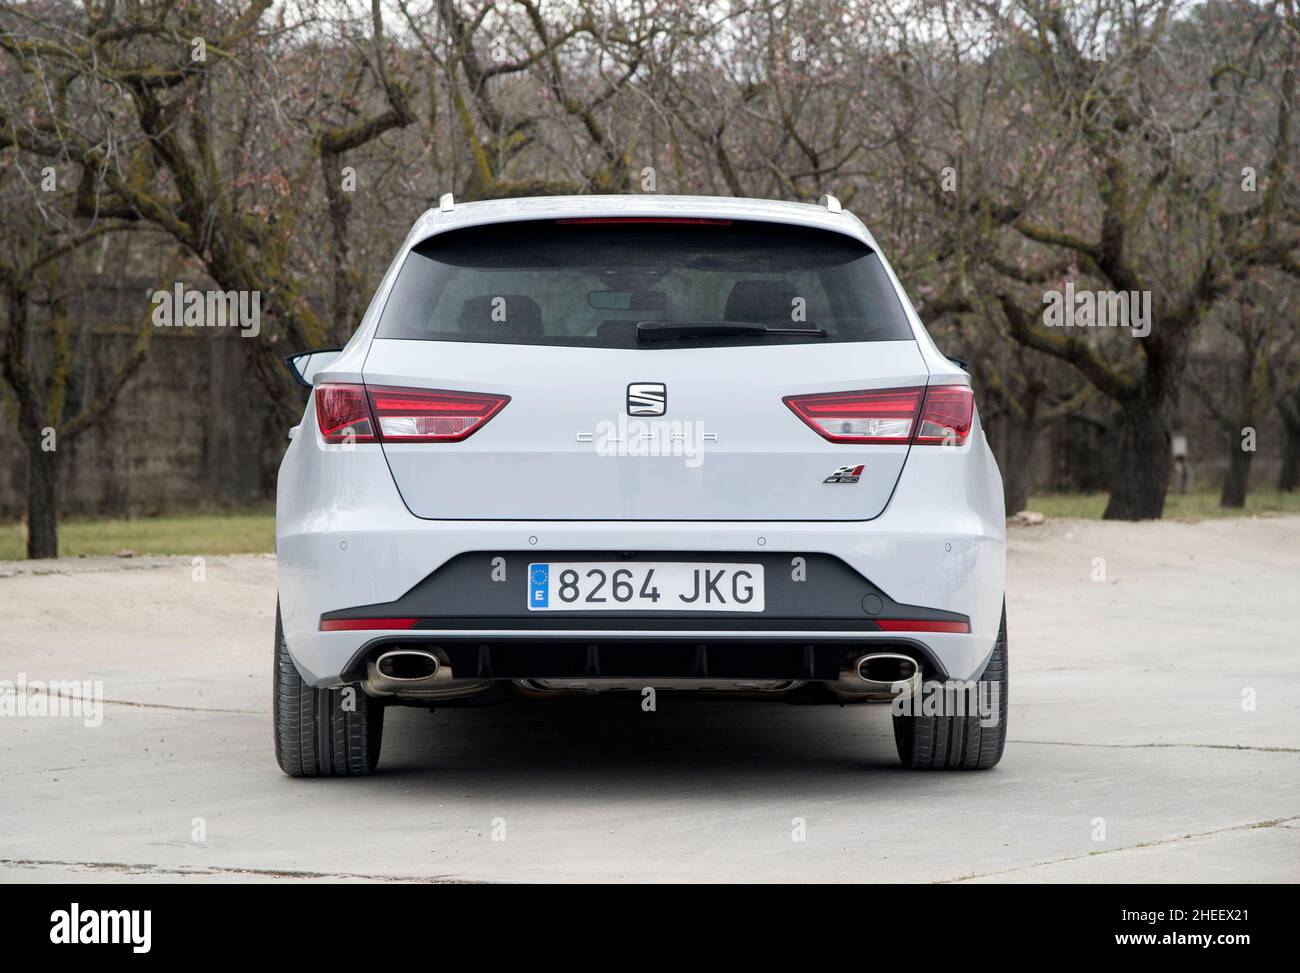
(1131, 757)
(1253, 853)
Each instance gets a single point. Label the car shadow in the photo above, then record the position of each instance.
(579, 745)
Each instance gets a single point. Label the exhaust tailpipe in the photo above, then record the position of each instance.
(419, 674)
(886, 669)
(408, 665)
(877, 677)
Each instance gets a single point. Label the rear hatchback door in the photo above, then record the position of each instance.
(587, 420)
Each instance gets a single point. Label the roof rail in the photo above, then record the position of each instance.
(831, 203)
(446, 202)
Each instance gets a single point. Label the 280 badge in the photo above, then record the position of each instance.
(845, 474)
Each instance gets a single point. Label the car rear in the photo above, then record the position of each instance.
(598, 443)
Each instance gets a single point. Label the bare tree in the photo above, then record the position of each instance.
(1133, 206)
(186, 96)
(35, 343)
(524, 80)
(1264, 334)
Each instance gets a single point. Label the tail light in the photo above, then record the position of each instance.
(883, 416)
(431, 416)
(356, 413)
(940, 415)
(946, 416)
(343, 414)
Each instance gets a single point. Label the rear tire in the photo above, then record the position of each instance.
(322, 732)
(958, 742)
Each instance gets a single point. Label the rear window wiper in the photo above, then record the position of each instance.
(673, 330)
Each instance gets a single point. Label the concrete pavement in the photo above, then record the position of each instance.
(1131, 756)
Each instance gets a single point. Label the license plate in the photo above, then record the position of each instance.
(644, 586)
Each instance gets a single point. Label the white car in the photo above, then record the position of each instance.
(639, 444)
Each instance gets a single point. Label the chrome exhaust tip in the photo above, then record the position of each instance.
(887, 669)
(407, 665)
(422, 674)
(877, 677)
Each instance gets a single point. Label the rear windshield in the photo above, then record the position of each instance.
(586, 283)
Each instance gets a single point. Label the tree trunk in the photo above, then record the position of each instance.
(42, 501)
(1288, 478)
(1021, 427)
(1140, 475)
(342, 276)
(1237, 483)
(42, 509)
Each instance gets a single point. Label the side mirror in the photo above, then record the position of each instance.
(304, 365)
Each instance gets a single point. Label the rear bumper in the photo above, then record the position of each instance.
(345, 540)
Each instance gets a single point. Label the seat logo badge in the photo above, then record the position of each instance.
(647, 399)
(845, 474)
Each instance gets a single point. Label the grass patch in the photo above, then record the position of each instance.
(1199, 505)
(252, 532)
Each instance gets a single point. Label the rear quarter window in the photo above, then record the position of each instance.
(588, 284)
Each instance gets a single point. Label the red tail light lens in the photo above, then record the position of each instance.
(357, 414)
(343, 414)
(946, 416)
(880, 416)
(431, 415)
(935, 416)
